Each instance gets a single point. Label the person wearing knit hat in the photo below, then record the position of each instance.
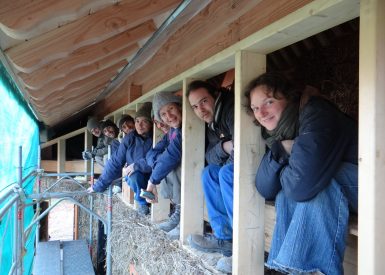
(126, 124)
(144, 111)
(161, 99)
(93, 126)
(165, 159)
(131, 152)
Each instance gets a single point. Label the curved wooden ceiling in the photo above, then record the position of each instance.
(64, 53)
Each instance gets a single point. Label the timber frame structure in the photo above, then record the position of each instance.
(238, 35)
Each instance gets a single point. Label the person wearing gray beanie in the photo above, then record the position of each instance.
(93, 126)
(165, 160)
(145, 111)
(162, 98)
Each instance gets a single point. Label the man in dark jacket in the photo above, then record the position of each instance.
(216, 108)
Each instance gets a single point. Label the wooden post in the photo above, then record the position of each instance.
(249, 206)
(61, 155)
(160, 210)
(87, 146)
(193, 150)
(371, 218)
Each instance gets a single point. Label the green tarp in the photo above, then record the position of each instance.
(18, 127)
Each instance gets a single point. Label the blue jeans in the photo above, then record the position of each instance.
(310, 236)
(138, 181)
(217, 182)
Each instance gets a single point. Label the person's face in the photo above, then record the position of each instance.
(142, 125)
(171, 114)
(161, 126)
(267, 109)
(109, 131)
(203, 104)
(128, 126)
(96, 132)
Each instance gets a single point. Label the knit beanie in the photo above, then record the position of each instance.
(123, 119)
(144, 111)
(161, 99)
(92, 123)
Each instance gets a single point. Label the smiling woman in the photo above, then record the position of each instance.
(310, 170)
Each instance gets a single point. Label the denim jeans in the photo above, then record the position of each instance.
(138, 181)
(217, 182)
(310, 236)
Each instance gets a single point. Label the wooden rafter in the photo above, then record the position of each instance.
(88, 30)
(86, 55)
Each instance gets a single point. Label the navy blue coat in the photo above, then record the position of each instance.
(327, 137)
(132, 149)
(166, 155)
(220, 130)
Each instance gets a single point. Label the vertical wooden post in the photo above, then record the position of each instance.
(193, 149)
(160, 210)
(87, 146)
(371, 219)
(61, 155)
(249, 206)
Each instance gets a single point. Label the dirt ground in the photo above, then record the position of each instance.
(60, 221)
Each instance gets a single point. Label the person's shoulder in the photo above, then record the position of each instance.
(318, 103)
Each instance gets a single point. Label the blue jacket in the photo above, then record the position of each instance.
(327, 137)
(166, 155)
(132, 149)
(220, 130)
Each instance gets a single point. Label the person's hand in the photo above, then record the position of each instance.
(152, 188)
(287, 145)
(90, 190)
(127, 171)
(87, 155)
(227, 146)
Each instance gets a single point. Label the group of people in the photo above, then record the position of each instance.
(309, 169)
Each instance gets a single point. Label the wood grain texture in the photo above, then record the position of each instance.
(87, 30)
(207, 37)
(23, 19)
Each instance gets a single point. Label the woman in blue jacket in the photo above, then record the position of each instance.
(310, 169)
(132, 151)
(165, 158)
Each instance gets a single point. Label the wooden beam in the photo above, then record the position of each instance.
(160, 210)
(72, 102)
(86, 55)
(61, 155)
(48, 97)
(126, 93)
(193, 161)
(282, 23)
(249, 205)
(371, 219)
(67, 136)
(88, 70)
(24, 19)
(172, 57)
(88, 30)
(87, 146)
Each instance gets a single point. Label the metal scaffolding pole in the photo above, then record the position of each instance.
(38, 180)
(91, 205)
(20, 218)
